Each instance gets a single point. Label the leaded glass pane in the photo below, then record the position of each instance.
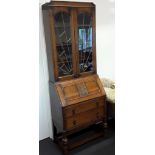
(85, 42)
(63, 43)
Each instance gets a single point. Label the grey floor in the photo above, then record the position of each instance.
(102, 146)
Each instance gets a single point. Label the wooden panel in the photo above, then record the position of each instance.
(49, 48)
(53, 45)
(79, 90)
(92, 86)
(70, 91)
(82, 89)
(56, 10)
(94, 39)
(56, 108)
(83, 107)
(88, 117)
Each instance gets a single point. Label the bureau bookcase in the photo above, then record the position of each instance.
(77, 95)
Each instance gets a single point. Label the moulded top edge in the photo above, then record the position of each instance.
(67, 4)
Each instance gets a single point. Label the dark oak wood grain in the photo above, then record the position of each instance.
(69, 93)
(77, 99)
(49, 47)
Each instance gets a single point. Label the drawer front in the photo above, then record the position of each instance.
(83, 107)
(84, 118)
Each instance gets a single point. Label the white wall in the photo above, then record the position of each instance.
(105, 58)
(45, 120)
(105, 37)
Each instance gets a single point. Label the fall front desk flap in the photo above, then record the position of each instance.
(79, 90)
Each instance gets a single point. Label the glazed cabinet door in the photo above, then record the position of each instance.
(63, 42)
(85, 41)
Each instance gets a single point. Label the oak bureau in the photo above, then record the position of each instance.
(76, 92)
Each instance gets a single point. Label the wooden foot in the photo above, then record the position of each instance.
(65, 145)
(65, 140)
(55, 134)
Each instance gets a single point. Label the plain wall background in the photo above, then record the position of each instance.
(45, 121)
(105, 58)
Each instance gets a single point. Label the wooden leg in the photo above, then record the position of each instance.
(105, 124)
(65, 145)
(54, 134)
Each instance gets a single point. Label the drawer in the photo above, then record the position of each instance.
(84, 118)
(83, 107)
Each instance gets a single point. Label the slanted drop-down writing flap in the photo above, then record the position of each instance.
(79, 90)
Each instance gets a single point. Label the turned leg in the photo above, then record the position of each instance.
(54, 134)
(105, 124)
(65, 145)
